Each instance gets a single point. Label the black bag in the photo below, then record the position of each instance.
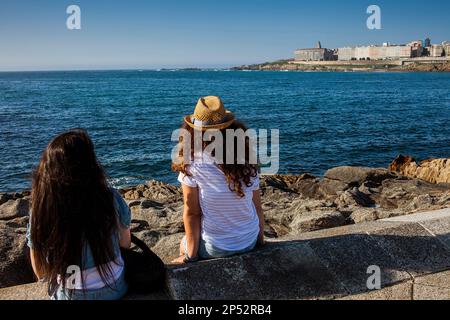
(144, 271)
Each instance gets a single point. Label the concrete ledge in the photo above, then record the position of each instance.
(422, 292)
(289, 272)
(329, 264)
(33, 291)
(403, 291)
(433, 287)
(413, 254)
(38, 291)
(421, 217)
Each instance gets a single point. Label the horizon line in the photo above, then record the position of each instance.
(115, 69)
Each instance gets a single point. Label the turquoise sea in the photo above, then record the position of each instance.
(325, 119)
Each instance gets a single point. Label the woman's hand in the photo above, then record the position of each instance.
(261, 241)
(259, 210)
(179, 260)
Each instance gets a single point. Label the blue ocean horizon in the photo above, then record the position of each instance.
(325, 119)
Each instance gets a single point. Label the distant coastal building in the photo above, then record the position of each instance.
(437, 50)
(384, 52)
(446, 45)
(315, 54)
(417, 48)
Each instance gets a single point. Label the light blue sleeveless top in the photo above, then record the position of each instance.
(119, 288)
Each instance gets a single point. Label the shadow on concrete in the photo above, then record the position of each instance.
(322, 267)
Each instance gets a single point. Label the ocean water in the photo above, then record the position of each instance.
(325, 119)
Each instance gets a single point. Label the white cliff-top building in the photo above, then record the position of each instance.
(384, 52)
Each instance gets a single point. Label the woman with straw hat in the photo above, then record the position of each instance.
(222, 203)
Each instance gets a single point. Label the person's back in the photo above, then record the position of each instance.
(77, 223)
(229, 221)
(222, 202)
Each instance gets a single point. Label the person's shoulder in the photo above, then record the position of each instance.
(117, 198)
(122, 209)
(116, 194)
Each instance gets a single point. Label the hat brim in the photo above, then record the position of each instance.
(229, 119)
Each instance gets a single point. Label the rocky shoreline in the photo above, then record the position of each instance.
(292, 205)
(286, 65)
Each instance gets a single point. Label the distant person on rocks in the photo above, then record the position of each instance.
(78, 223)
(222, 202)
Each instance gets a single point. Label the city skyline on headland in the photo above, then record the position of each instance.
(201, 33)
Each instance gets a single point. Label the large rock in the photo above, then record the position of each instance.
(400, 163)
(355, 176)
(329, 189)
(317, 220)
(434, 170)
(15, 267)
(364, 215)
(162, 218)
(152, 237)
(14, 209)
(409, 195)
(4, 197)
(154, 190)
(168, 248)
(354, 198)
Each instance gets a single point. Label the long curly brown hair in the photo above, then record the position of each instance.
(237, 175)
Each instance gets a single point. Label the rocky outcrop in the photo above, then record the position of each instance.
(293, 205)
(428, 67)
(14, 209)
(15, 266)
(434, 170)
(368, 66)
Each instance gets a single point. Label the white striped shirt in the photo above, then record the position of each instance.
(229, 222)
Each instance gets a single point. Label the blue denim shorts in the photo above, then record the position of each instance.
(115, 292)
(207, 251)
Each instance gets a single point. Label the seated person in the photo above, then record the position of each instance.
(78, 223)
(222, 202)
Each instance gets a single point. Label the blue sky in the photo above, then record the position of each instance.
(204, 33)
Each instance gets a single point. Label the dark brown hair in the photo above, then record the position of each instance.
(72, 207)
(237, 175)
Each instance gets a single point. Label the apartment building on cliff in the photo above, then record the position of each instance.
(384, 52)
(446, 45)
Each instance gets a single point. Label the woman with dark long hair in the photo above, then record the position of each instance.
(222, 203)
(78, 223)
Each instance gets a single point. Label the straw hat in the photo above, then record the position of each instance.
(210, 113)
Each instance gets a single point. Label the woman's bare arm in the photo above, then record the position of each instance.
(36, 271)
(192, 219)
(125, 238)
(259, 210)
